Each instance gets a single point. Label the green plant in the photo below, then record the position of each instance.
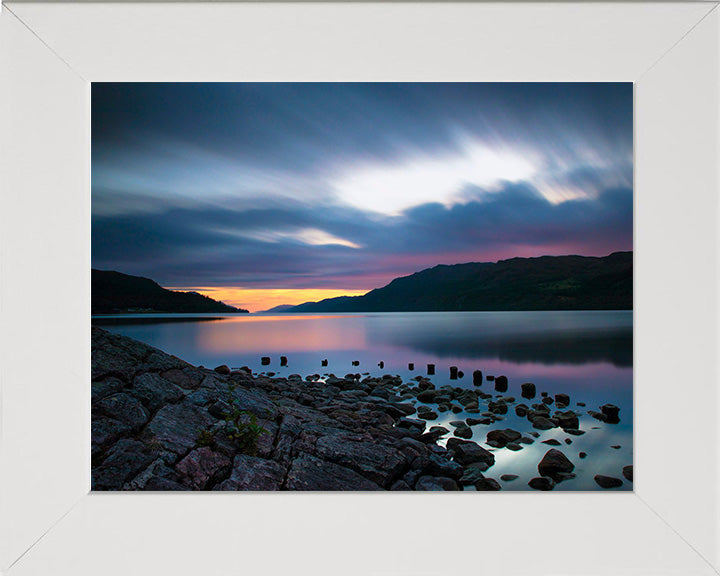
(244, 429)
(206, 438)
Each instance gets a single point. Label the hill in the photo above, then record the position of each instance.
(114, 292)
(277, 309)
(544, 283)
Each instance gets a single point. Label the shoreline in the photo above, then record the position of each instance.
(160, 423)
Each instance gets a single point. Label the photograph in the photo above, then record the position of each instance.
(350, 286)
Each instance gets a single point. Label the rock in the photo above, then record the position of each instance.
(106, 430)
(611, 413)
(568, 441)
(497, 407)
(324, 362)
(501, 383)
(542, 483)
(432, 464)
(477, 377)
(380, 463)
(400, 486)
(124, 461)
(427, 396)
(509, 477)
(526, 440)
(487, 485)
(562, 399)
(551, 442)
(265, 360)
(202, 466)
(521, 410)
(429, 415)
(513, 446)
(431, 369)
(489, 377)
(616, 446)
(542, 423)
(432, 483)
(223, 369)
(607, 481)
(473, 473)
(432, 435)
(466, 452)
(405, 422)
(219, 409)
(582, 455)
(155, 391)
(463, 431)
(109, 385)
(547, 400)
(627, 472)
(411, 366)
(453, 372)
(553, 463)
(123, 407)
(284, 361)
(502, 437)
(528, 390)
(177, 426)
(253, 474)
(310, 473)
(567, 420)
(476, 421)
(574, 432)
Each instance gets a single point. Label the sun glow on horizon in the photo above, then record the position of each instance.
(260, 299)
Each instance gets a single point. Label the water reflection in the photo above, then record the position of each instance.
(587, 355)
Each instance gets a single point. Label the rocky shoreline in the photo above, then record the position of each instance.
(159, 423)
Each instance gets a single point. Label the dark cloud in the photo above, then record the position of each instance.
(232, 184)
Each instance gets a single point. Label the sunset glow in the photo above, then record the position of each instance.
(258, 300)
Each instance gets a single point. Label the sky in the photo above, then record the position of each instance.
(261, 194)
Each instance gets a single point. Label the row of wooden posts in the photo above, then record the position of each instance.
(455, 373)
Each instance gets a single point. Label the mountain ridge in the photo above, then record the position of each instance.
(540, 283)
(114, 292)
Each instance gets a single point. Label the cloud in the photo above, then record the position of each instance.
(350, 185)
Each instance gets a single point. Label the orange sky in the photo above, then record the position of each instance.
(257, 300)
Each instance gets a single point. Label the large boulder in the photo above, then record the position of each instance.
(499, 438)
(465, 452)
(253, 474)
(554, 464)
(201, 467)
(310, 473)
(123, 407)
(177, 426)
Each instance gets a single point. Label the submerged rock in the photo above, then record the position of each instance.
(487, 485)
(542, 483)
(607, 481)
(627, 472)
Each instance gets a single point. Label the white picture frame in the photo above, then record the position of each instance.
(51, 524)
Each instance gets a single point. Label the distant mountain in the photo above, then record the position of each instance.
(114, 292)
(281, 308)
(544, 283)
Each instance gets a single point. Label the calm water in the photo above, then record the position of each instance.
(587, 355)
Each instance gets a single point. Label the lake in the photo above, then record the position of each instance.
(586, 354)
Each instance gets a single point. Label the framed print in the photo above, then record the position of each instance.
(623, 97)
